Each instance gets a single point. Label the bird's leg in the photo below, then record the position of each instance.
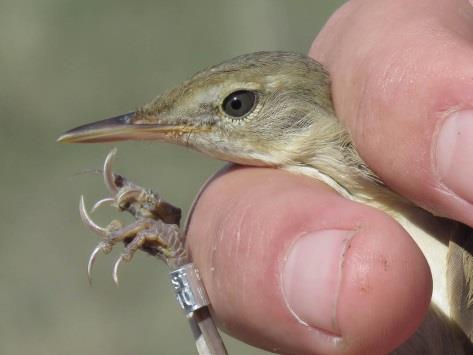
(154, 237)
(155, 229)
(140, 202)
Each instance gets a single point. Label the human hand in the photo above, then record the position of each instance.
(291, 266)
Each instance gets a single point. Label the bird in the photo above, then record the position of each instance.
(275, 109)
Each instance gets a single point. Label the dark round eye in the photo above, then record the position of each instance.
(239, 103)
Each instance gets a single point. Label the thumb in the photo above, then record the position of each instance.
(287, 274)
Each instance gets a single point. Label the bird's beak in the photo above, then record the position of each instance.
(124, 127)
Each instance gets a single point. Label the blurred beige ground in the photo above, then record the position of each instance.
(64, 63)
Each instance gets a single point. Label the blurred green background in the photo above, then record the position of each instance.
(64, 63)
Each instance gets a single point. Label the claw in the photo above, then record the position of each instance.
(91, 262)
(88, 221)
(115, 269)
(152, 218)
(108, 173)
(127, 196)
(101, 202)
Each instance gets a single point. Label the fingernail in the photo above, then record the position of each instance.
(312, 276)
(455, 154)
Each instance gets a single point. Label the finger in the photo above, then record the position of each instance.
(292, 267)
(403, 84)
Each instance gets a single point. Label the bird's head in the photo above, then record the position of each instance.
(257, 109)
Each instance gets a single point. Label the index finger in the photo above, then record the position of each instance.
(403, 85)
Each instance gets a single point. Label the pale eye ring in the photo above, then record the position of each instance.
(239, 103)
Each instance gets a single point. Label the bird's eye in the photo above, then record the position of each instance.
(239, 103)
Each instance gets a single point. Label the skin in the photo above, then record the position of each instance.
(228, 217)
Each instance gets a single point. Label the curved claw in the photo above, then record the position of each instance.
(108, 177)
(101, 202)
(91, 262)
(128, 196)
(115, 269)
(88, 221)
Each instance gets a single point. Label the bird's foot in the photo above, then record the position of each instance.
(155, 229)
